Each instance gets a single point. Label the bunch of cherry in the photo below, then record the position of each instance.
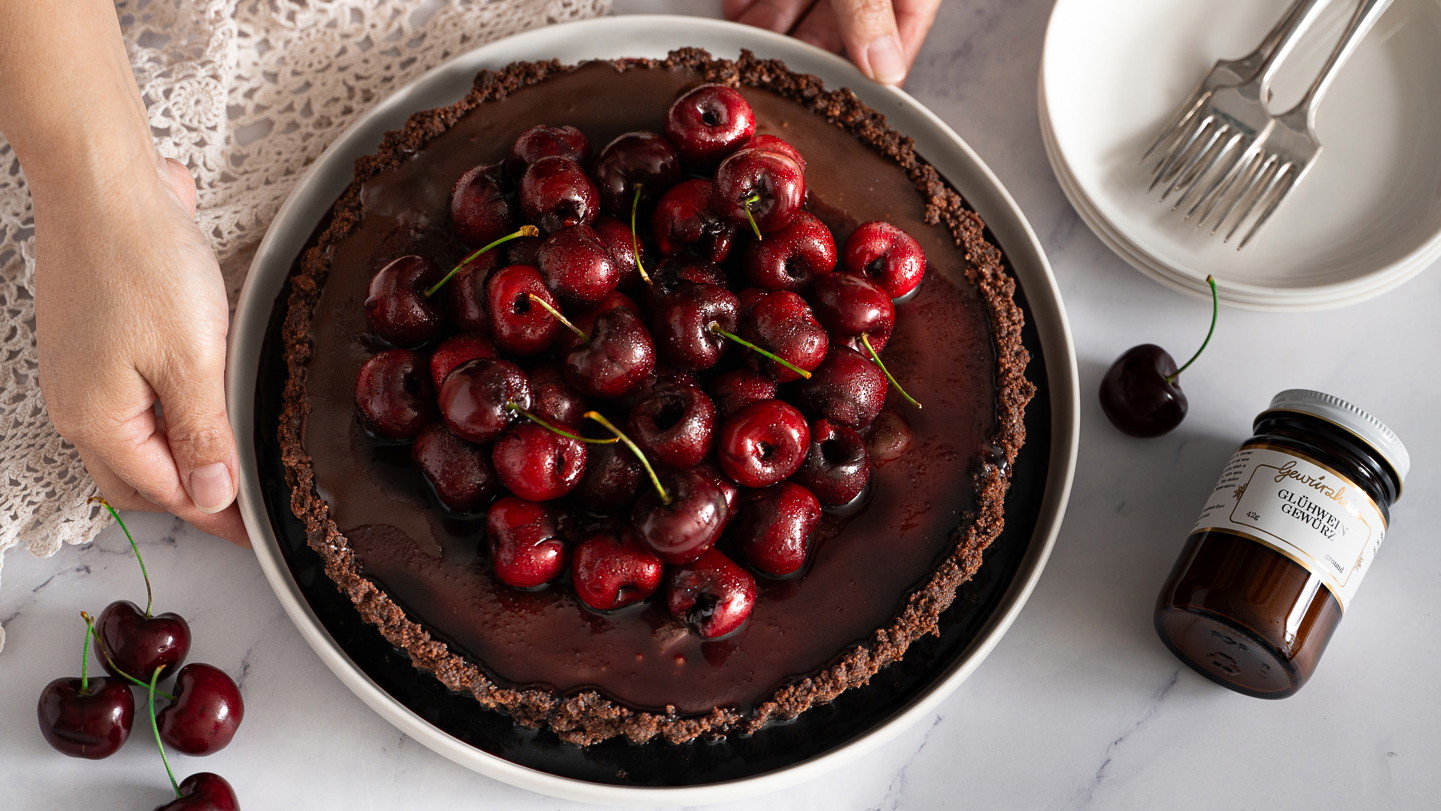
(667, 310)
(92, 717)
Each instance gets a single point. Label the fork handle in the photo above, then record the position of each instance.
(1362, 21)
(1285, 36)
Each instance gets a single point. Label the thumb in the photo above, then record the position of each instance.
(868, 29)
(197, 429)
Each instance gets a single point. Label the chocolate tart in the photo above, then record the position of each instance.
(882, 575)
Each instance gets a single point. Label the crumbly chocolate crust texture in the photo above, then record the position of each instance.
(590, 717)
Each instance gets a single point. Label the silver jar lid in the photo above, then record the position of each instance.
(1349, 418)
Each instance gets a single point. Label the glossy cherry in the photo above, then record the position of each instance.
(394, 396)
(837, 467)
(456, 350)
(611, 571)
(775, 143)
(465, 293)
(682, 529)
(673, 426)
(544, 141)
(792, 257)
(759, 189)
(1141, 392)
(682, 324)
(129, 641)
(712, 595)
(617, 357)
(476, 400)
(776, 526)
(86, 718)
(536, 463)
(684, 221)
(553, 398)
(206, 712)
(886, 255)
(622, 244)
(762, 443)
(458, 472)
(525, 547)
(782, 322)
(847, 389)
(851, 306)
(479, 210)
(519, 324)
(708, 123)
(556, 193)
(396, 306)
(634, 159)
(578, 265)
(734, 389)
(203, 791)
(613, 479)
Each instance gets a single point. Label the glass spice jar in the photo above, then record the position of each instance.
(1281, 544)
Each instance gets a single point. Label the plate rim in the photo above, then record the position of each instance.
(297, 217)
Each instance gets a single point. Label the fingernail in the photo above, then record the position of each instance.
(211, 489)
(884, 57)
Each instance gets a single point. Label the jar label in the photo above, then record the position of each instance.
(1301, 508)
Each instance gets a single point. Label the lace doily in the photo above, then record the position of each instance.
(246, 93)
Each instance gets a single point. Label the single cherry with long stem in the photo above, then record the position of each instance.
(1141, 392)
(84, 717)
(132, 641)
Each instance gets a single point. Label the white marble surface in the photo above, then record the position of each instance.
(1079, 705)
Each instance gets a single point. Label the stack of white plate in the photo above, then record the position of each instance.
(1367, 217)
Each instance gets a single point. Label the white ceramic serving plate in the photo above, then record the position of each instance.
(647, 36)
(1366, 219)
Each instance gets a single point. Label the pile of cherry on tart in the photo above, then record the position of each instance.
(676, 351)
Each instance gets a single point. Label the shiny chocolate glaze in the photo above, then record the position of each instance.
(864, 568)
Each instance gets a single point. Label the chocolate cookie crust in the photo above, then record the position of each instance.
(589, 717)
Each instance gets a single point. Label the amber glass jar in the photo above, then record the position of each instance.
(1281, 544)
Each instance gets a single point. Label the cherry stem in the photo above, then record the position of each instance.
(755, 197)
(149, 596)
(104, 651)
(524, 231)
(85, 655)
(562, 319)
(155, 728)
(634, 238)
(876, 356)
(1215, 311)
(650, 471)
(715, 328)
(510, 404)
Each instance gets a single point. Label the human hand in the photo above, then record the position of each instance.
(131, 313)
(881, 36)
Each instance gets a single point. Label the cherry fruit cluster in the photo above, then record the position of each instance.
(92, 717)
(666, 309)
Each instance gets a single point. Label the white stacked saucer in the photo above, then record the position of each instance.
(1367, 217)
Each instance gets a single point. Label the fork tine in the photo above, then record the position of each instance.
(1187, 175)
(1175, 128)
(1219, 186)
(1285, 181)
(1225, 161)
(1263, 183)
(1237, 189)
(1183, 155)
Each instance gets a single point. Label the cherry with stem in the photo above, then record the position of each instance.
(715, 328)
(90, 625)
(545, 305)
(635, 449)
(523, 231)
(149, 595)
(1141, 392)
(875, 356)
(634, 237)
(535, 418)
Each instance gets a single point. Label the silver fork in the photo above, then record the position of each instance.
(1212, 131)
(1288, 150)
